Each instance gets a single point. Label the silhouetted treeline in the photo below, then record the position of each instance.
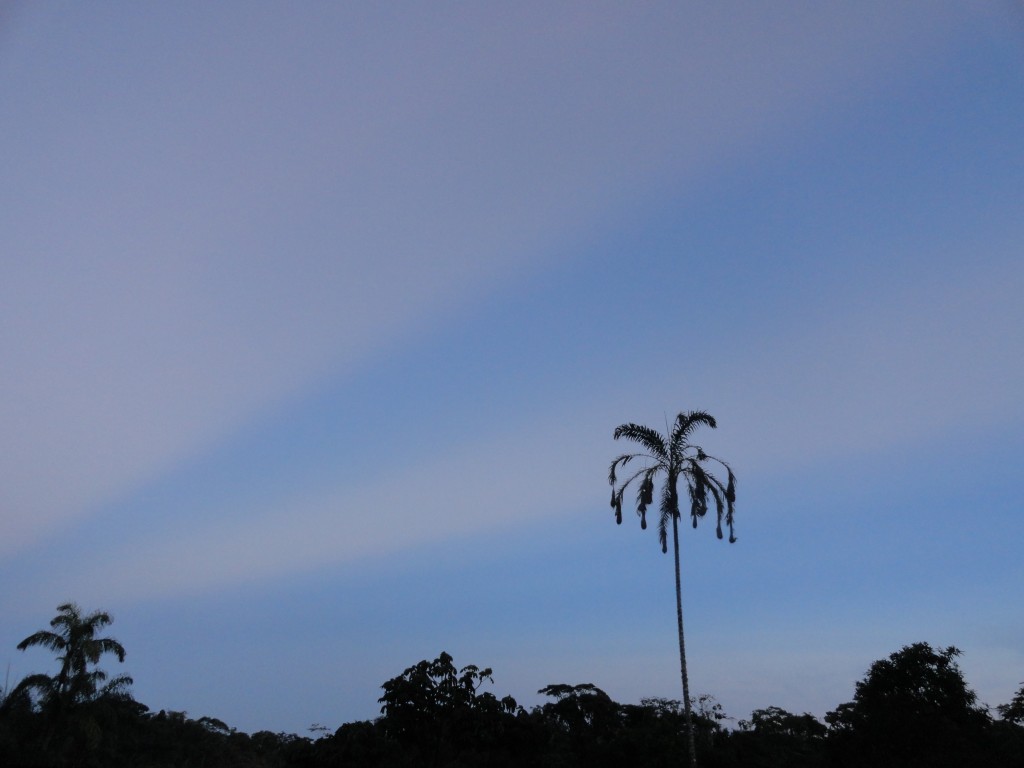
(912, 709)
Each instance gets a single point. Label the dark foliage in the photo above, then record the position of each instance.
(436, 715)
(912, 709)
(775, 738)
(1014, 711)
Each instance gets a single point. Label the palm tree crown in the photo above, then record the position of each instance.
(676, 458)
(73, 638)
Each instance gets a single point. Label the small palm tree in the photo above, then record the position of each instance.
(675, 458)
(79, 650)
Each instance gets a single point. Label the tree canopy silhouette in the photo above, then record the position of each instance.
(912, 709)
(73, 638)
(1013, 712)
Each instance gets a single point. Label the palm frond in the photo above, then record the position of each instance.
(716, 492)
(709, 457)
(105, 645)
(729, 513)
(621, 461)
(639, 473)
(43, 684)
(723, 491)
(728, 491)
(611, 469)
(97, 620)
(698, 482)
(118, 687)
(649, 485)
(645, 496)
(67, 613)
(651, 439)
(644, 492)
(730, 499)
(687, 422)
(46, 639)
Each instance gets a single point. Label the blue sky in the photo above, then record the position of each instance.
(317, 319)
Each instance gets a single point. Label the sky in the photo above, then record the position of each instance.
(316, 321)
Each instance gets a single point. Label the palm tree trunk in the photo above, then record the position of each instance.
(682, 646)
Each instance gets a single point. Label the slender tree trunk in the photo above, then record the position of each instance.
(682, 646)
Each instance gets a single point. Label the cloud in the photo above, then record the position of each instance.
(920, 363)
(223, 225)
(500, 482)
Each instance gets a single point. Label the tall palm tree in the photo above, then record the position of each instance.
(674, 457)
(73, 638)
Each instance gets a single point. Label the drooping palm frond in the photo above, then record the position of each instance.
(42, 685)
(621, 461)
(730, 499)
(100, 646)
(645, 494)
(648, 488)
(651, 439)
(717, 494)
(617, 494)
(617, 505)
(44, 638)
(724, 492)
(697, 482)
